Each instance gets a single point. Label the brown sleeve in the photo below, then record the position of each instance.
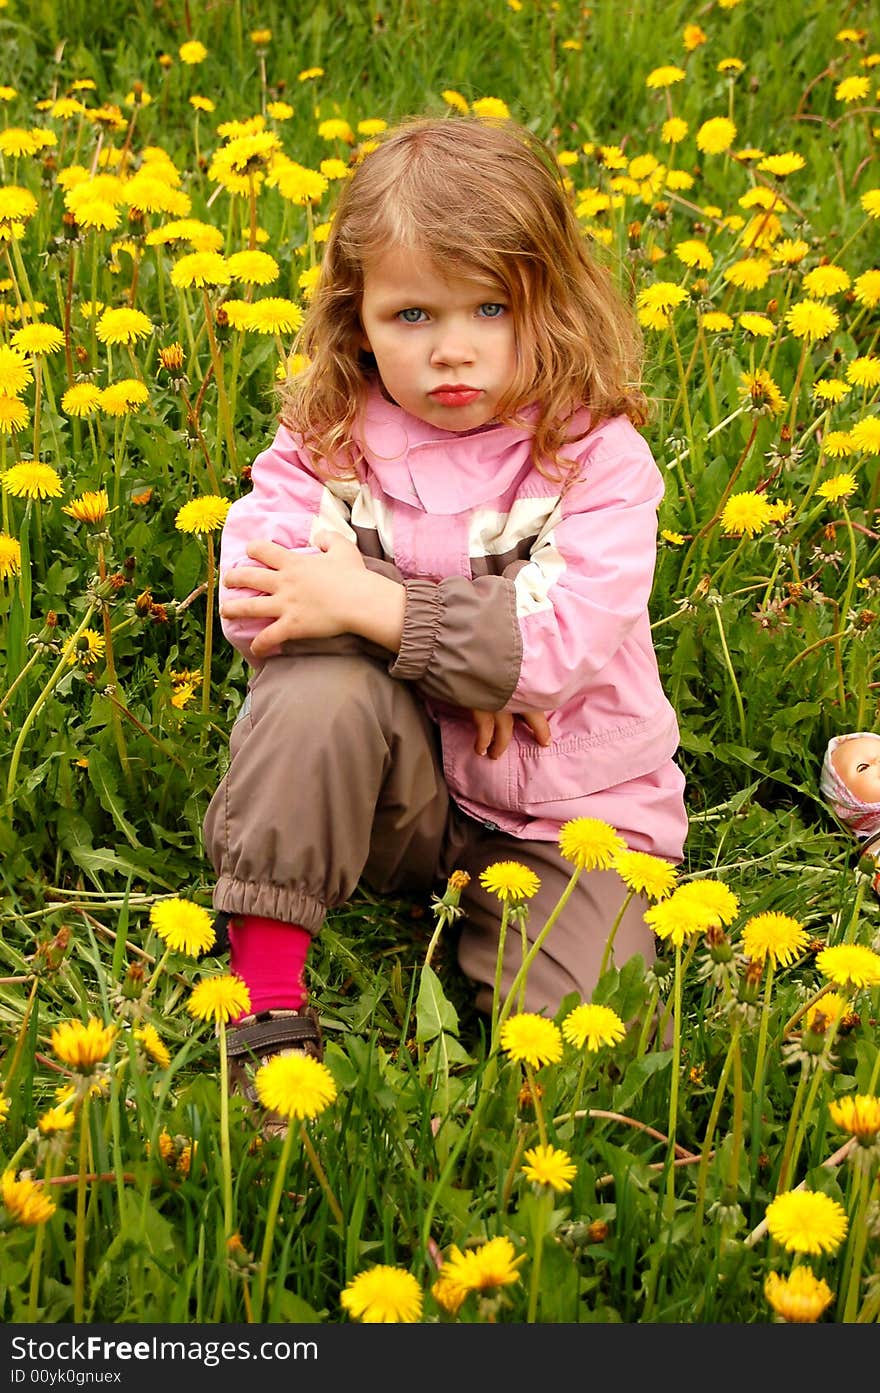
(461, 641)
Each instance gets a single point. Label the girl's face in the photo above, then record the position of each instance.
(857, 761)
(445, 346)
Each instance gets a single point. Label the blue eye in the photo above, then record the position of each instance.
(411, 315)
(491, 310)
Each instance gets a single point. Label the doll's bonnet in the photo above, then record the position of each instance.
(863, 819)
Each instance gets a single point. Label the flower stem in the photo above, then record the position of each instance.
(79, 1270)
(321, 1174)
(225, 1155)
(858, 1240)
(540, 1214)
(537, 946)
(673, 1084)
(499, 963)
(271, 1220)
(706, 1148)
(31, 716)
(609, 944)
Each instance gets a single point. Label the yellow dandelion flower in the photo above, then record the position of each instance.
(864, 371)
(81, 399)
(800, 1297)
(589, 1027)
(550, 1166)
(308, 74)
(192, 52)
(89, 507)
(837, 444)
(275, 315)
(853, 89)
(253, 267)
(679, 179)
(778, 937)
(38, 339)
(866, 288)
(762, 391)
(32, 479)
(870, 202)
(752, 273)
(693, 252)
(790, 251)
(455, 100)
(153, 1043)
(261, 37)
(184, 926)
(335, 169)
(715, 900)
(674, 131)
(781, 165)
(54, 1120)
(279, 111)
(716, 135)
(810, 320)
(692, 37)
(745, 514)
(10, 556)
(373, 125)
(87, 649)
(806, 1221)
(510, 880)
(865, 435)
(16, 204)
(490, 109)
(831, 389)
(675, 539)
(336, 128)
(824, 281)
(202, 236)
(295, 1085)
(531, 1039)
(665, 76)
(645, 874)
(202, 103)
(858, 1114)
(25, 1200)
(716, 321)
(589, 843)
(383, 1295)
(219, 999)
(830, 1007)
(730, 67)
(83, 1046)
(16, 371)
(850, 965)
(123, 397)
(15, 142)
(201, 269)
(202, 515)
(758, 325)
(662, 295)
(838, 489)
(494, 1264)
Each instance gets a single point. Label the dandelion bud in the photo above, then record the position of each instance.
(129, 565)
(51, 620)
(144, 602)
(165, 60)
(133, 982)
(718, 944)
(813, 1040)
(82, 354)
(137, 88)
(634, 232)
(135, 216)
(222, 318)
(51, 953)
(171, 357)
(751, 981)
(159, 614)
(772, 306)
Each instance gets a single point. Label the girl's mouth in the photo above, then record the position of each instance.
(457, 395)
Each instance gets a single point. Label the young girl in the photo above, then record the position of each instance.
(440, 579)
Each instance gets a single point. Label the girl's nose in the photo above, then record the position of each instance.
(452, 346)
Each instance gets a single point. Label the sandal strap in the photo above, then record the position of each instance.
(288, 1029)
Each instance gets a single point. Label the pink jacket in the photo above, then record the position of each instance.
(521, 594)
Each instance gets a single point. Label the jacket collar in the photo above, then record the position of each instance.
(442, 472)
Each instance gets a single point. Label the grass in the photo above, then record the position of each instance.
(766, 641)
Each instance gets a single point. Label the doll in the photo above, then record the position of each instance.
(850, 784)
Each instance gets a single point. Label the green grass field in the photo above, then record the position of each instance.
(724, 163)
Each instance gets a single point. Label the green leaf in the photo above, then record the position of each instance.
(433, 1012)
(102, 780)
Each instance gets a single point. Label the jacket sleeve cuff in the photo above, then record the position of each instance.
(421, 626)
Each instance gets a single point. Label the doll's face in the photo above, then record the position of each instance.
(857, 761)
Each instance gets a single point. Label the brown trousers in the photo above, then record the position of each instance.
(335, 777)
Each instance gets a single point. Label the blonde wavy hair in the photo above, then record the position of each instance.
(485, 199)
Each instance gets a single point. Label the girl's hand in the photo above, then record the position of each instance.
(495, 730)
(304, 595)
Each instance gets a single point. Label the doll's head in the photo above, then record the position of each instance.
(481, 200)
(850, 781)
